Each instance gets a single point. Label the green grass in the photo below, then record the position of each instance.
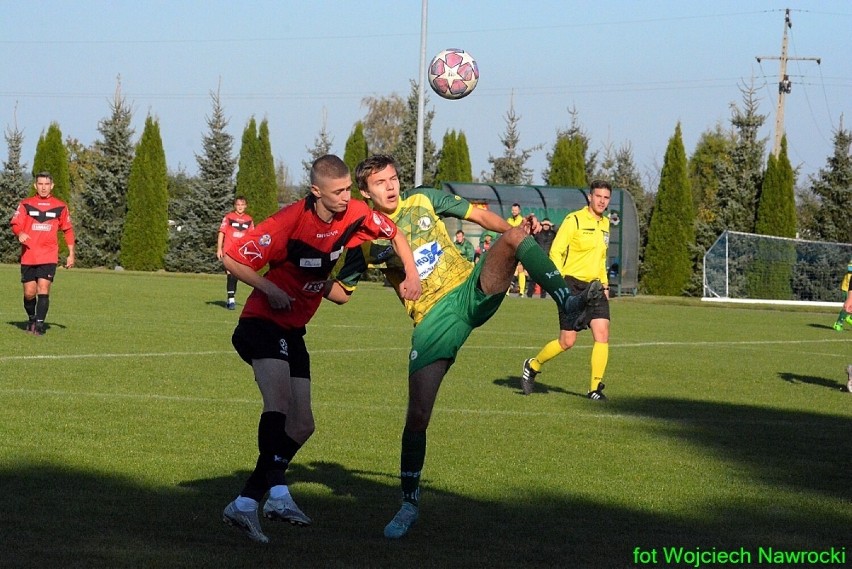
(132, 423)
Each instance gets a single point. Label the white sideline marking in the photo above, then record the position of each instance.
(406, 348)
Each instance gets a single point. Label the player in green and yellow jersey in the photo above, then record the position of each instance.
(579, 250)
(457, 295)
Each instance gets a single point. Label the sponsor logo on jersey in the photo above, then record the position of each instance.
(426, 258)
(424, 223)
(310, 263)
(329, 234)
(265, 240)
(382, 224)
(40, 227)
(250, 251)
(315, 286)
(238, 234)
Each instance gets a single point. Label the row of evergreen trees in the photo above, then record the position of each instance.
(130, 211)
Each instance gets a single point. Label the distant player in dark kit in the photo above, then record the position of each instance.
(36, 223)
(300, 244)
(234, 225)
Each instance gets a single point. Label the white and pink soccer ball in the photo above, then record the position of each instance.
(453, 73)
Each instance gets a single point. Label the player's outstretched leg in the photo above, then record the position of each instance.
(248, 522)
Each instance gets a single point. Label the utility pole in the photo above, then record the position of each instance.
(784, 83)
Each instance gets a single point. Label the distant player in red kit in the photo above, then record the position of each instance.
(36, 223)
(234, 225)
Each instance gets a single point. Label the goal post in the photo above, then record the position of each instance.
(745, 267)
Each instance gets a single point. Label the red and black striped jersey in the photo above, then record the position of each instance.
(41, 219)
(234, 225)
(301, 250)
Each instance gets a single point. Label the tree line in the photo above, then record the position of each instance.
(130, 211)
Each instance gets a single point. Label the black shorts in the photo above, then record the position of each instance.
(257, 339)
(30, 273)
(600, 310)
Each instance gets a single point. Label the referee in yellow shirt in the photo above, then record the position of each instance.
(579, 252)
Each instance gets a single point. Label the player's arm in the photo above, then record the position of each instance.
(847, 306)
(336, 293)
(278, 299)
(409, 289)
(220, 239)
(18, 225)
(488, 220)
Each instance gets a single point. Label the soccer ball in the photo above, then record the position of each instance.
(453, 74)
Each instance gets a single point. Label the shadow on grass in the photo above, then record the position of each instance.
(54, 516)
(22, 325)
(801, 451)
(514, 382)
(811, 380)
(823, 326)
(220, 303)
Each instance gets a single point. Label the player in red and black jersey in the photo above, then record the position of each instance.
(234, 225)
(36, 223)
(301, 243)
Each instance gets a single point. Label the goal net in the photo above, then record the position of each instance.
(744, 267)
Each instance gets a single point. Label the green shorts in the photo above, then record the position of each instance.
(446, 326)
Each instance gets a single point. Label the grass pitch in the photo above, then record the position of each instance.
(132, 423)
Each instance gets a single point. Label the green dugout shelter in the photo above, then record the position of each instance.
(554, 203)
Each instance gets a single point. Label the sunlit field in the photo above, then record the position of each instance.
(129, 426)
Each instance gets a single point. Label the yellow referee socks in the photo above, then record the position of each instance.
(547, 353)
(600, 357)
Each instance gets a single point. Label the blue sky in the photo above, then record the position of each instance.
(631, 69)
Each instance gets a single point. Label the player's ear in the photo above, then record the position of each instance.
(315, 191)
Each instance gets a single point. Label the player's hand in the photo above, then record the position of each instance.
(409, 289)
(219, 254)
(531, 224)
(278, 299)
(23, 238)
(69, 262)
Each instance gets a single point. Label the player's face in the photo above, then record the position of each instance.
(43, 187)
(240, 206)
(599, 200)
(516, 211)
(383, 189)
(332, 195)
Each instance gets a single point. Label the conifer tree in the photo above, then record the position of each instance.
(449, 161)
(52, 157)
(266, 198)
(355, 151)
(465, 168)
(776, 211)
(322, 146)
(13, 188)
(256, 175)
(770, 275)
(510, 168)
(102, 204)
(741, 176)
(668, 263)
(832, 188)
(567, 163)
(145, 240)
(201, 206)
